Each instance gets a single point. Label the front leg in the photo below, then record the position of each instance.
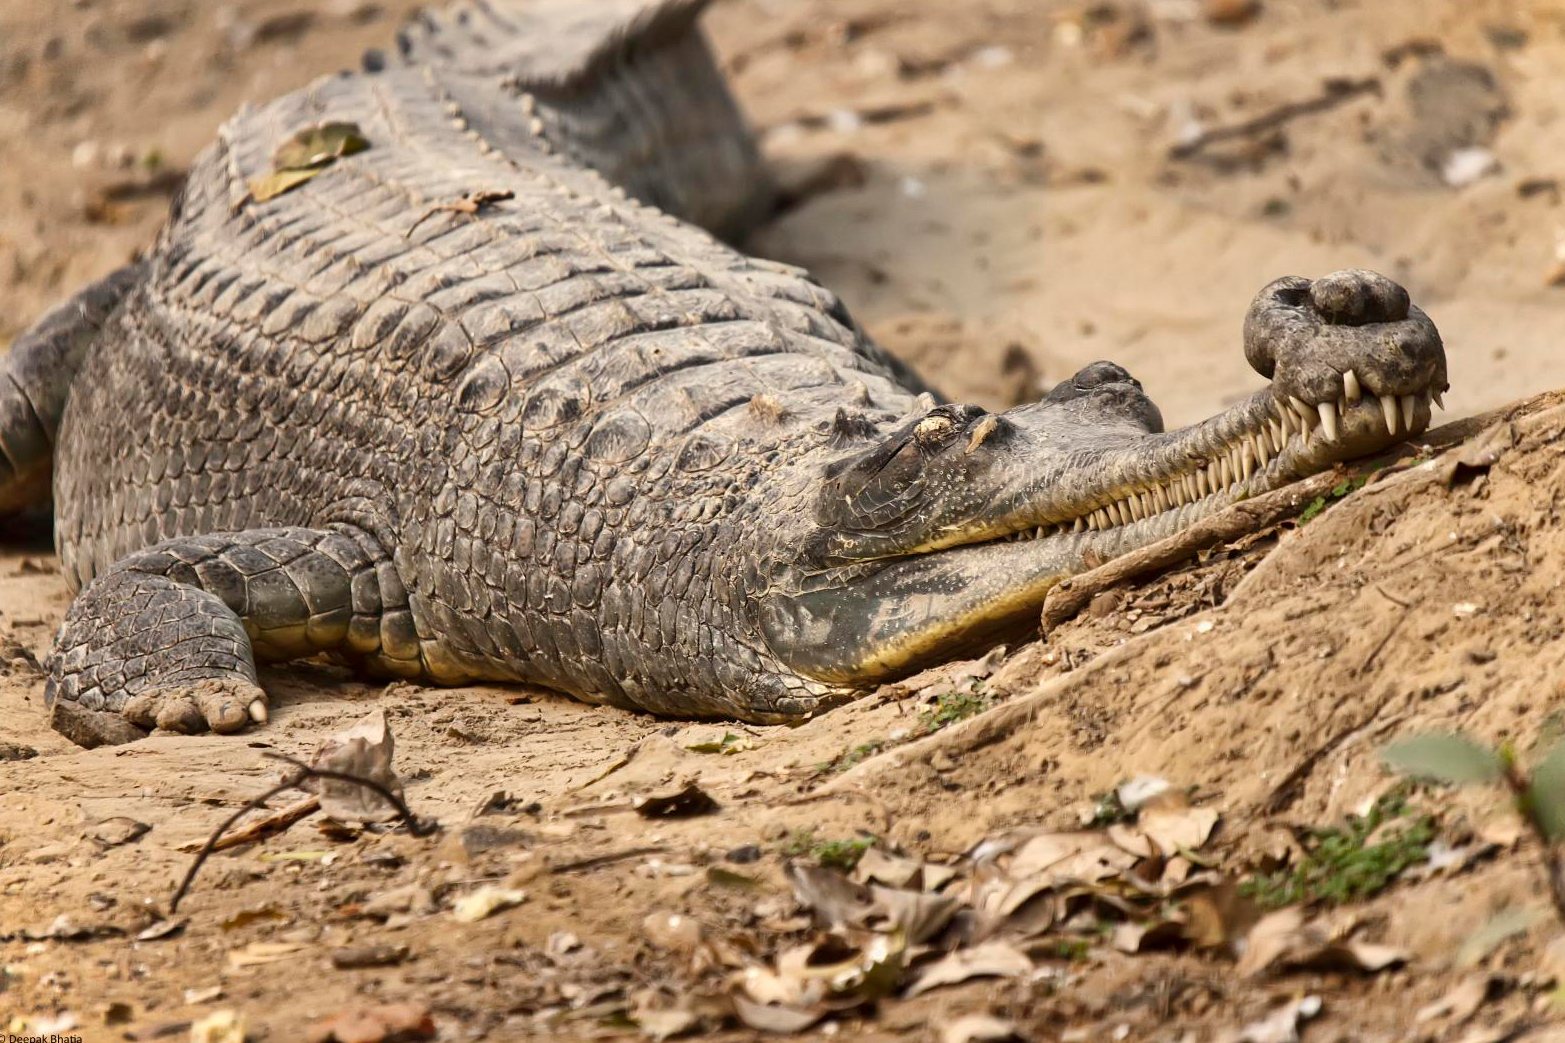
(169, 637)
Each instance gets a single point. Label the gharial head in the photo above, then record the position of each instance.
(946, 532)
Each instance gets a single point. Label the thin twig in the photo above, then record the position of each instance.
(416, 826)
(211, 842)
(262, 828)
(1335, 93)
(302, 772)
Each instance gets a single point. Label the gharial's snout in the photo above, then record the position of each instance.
(952, 527)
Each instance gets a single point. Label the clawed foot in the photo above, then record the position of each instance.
(223, 706)
(1347, 352)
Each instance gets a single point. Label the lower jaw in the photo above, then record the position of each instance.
(977, 594)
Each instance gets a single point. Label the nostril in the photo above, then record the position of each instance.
(1357, 296)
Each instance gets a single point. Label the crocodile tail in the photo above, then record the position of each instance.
(551, 44)
(626, 87)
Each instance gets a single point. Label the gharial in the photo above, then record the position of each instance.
(444, 368)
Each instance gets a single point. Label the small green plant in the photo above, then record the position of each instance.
(724, 745)
(828, 854)
(1072, 950)
(849, 757)
(1342, 865)
(955, 706)
(1540, 797)
(1107, 810)
(1338, 491)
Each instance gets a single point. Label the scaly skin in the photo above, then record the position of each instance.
(575, 440)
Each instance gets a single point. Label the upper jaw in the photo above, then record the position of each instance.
(1160, 483)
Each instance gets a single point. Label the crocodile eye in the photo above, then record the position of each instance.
(1100, 373)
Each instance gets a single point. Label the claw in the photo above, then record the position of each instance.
(1438, 400)
(257, 711)
(1350, 386)
(1408, 404)
(1388, 407)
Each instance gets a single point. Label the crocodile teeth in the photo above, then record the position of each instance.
(1163, 500)
(1409, 402)
(1388, 407)
(1438, 400)
(1104, 519)
(1350, 386)
(1305, 413)
(1079, 525)
(1328, 419)
(1224, 472)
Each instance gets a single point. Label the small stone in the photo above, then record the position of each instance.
(1466, 165)
(744, 855)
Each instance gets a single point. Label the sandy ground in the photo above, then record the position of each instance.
(992, 190)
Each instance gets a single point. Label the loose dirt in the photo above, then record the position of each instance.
(993, 190)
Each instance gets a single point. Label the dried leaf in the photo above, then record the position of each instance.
(318, 145)
(112, 832)
(1085, 856)
(1281, 1025)
(258, 953)
(1447, 758)
(836, 970)
(1283, 940)
(363, 750)
(162, 929)
(687, 802)
(989, 960)
(1218, 915)
(774, 1017)
(1178, 829)
(385, 1022)
(917, 915)
(220, 1026)
(1143, 937)
(877, 867)
(767, 987)
(269, 185)
(485, 901)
